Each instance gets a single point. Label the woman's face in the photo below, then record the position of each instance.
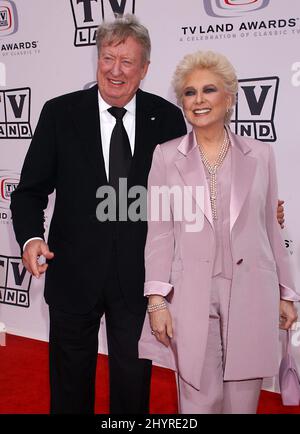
(204, 99)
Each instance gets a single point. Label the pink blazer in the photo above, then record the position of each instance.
(179, 264)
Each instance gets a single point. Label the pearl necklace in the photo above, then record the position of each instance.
(212, 170)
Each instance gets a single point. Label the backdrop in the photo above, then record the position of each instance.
(47, 48)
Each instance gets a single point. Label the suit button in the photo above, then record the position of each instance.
(239, 261)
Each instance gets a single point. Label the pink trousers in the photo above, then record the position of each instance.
(217, 396)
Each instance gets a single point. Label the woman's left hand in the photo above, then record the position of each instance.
(287, 314)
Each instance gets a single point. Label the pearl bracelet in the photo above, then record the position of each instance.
(155, 307)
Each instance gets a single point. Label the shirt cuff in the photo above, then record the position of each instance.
(155, 287)
(30, 239)
(288, 294)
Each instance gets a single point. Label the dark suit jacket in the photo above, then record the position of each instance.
(65, 155)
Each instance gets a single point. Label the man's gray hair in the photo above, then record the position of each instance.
(120, 29)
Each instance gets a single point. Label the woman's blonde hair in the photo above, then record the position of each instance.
(212, 61)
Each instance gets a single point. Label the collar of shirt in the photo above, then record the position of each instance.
(103, 107)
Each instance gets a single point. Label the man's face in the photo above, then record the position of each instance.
(121, 68)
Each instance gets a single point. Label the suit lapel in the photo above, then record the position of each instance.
(192, 172)
(144, 142)
(87, 126)
(243, 171)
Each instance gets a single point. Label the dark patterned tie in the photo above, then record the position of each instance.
(119, 150)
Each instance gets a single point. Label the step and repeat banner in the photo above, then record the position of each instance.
(47, 48)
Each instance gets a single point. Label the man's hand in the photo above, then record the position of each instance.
(33, 250)
(280, 213)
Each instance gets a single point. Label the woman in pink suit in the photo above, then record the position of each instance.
(217, 293)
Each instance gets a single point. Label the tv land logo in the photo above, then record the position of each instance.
(88, 14)
(15, 113)
(89, 85)
(255, 108)
(8, 183)
(15, 282)
(232, 8)
(8, 18)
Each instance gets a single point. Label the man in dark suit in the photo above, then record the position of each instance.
(94, 267)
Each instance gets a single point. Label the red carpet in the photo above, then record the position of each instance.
(24, 385)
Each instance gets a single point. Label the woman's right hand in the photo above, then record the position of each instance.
(161, 322)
